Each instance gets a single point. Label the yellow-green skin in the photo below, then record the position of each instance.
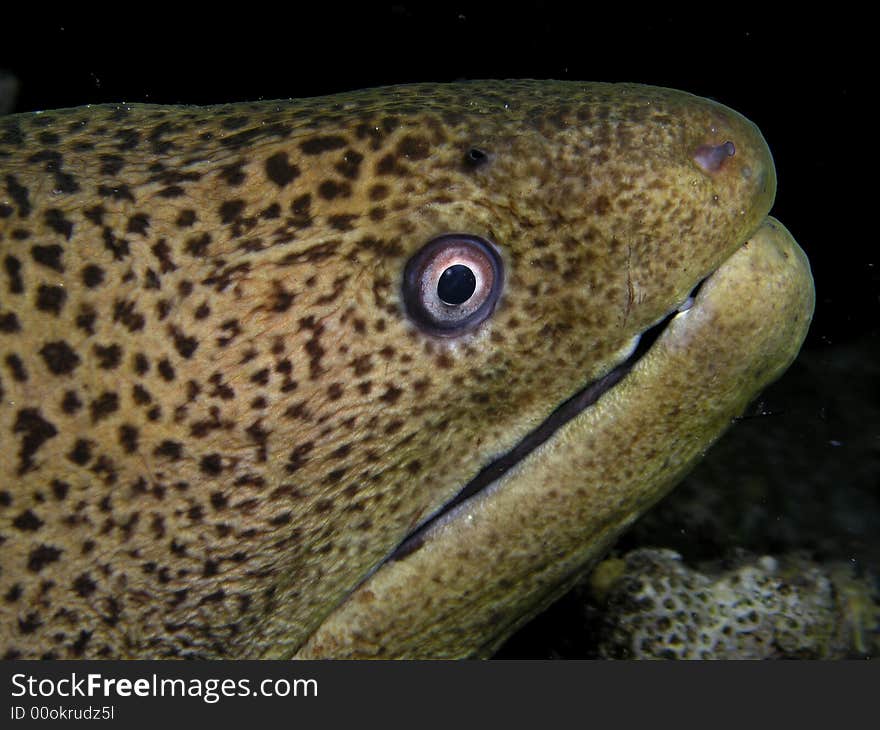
(217, 420)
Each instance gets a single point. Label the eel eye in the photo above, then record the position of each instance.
(452, 284)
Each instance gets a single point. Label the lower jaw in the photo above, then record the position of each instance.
(564, 413)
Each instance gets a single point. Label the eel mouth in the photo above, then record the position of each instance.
(565, 412)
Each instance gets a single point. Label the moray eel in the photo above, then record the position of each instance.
(377, 374)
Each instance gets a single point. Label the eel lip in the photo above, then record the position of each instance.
(564, 413)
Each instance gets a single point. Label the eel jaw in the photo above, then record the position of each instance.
(499, 557)
(564, 413)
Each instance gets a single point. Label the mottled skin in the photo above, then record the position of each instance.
(216, 418)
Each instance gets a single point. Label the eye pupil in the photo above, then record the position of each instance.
(452, 284)
(456, 285)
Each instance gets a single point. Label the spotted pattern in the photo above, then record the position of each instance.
(215, 417)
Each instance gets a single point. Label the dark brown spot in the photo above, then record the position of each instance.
(387, 165)
(60, 489)
(41, 556)
(349, 166)
(378, 192)
(211, 464)
(141, 363)
(362, 365)
(221, 390)
(169, 449)
(85, 319)
(71, 403)
(92, 276)
(301, 205)
(162, 251)
(49, 256)
(185, 219)
(111, 165)
(330, 189)
(323, 505)
(391, 394)
(84, 585)
(95, 214)
(261, 377)
(35, 431)
(413, 147)
(9, 323)
(166, 370)
(81, 453)
(342, 221)
(117, 246)
(29, 624)
(51, 298)
(79, 646)
(19, 195)
(13, 270)
(230, 210)
(128, 438)
(335, 476)
(184, 344)
(140, 395)
(163, 308)
(16, 367)
(27, 521)
(124, 312)
(113, 609)
(108, 356)
(56, 220)
(282, 299)
(138, 223)
(271, 212)
(103, 406)
(233, 175)
(198, 245)
(298, 456)
(341, 452)
(280, 171)
(318, 145)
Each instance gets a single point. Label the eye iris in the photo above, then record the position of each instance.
(456, 285)
(452, 284)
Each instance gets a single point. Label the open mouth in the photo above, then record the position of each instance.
(564, 413)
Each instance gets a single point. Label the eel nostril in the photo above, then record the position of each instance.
(712, 157)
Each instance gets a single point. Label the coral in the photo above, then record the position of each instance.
(764, 608)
